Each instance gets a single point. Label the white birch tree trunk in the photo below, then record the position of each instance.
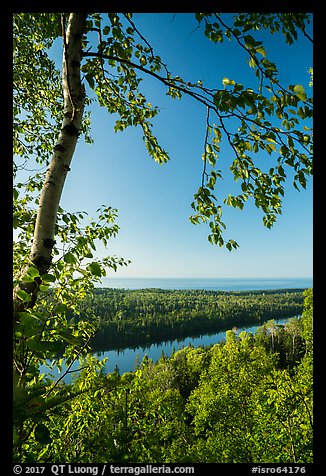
(74, 98)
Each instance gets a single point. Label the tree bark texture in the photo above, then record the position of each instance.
(74, 98)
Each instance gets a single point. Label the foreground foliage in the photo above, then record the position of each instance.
(232, 402)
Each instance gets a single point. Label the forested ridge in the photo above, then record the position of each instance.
(246, 400)
(135, 317)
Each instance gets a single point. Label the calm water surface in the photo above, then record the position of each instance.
(210, 284)
(126, 359)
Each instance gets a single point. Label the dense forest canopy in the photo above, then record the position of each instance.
(256, 399)
(134, 317)
(247, 400)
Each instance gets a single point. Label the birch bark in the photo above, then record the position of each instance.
(74, 98)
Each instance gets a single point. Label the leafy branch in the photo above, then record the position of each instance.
(248, 107)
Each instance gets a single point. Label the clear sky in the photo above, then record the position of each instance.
(154, 200)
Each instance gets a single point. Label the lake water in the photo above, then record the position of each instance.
(210, 284)
(126, 359)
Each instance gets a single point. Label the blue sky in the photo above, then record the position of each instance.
(154, 200)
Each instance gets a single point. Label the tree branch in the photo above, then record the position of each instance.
(170, 82)
(205, 144)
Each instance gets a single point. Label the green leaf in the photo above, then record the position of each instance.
(72, 340)
(270, 148)
(30, 322)
(33, 272)
(61, 308)
(69, 258)
(227, 81)
(250, 41)
(27, 279)
(95, 269)
(229, 246)
(37, 345)
(44, 287)
(218, 133)
(200, 16)
(252, 62)
(48, 278)
(284, 150)
(23, 295)
(300, 92)
(81, 271)
(90, 79)
(261, 50)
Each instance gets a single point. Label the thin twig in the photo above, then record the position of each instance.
(253, 56)
(68, 368)
(205, 144)
(146, 42)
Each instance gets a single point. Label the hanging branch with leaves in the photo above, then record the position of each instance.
(267, 119)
